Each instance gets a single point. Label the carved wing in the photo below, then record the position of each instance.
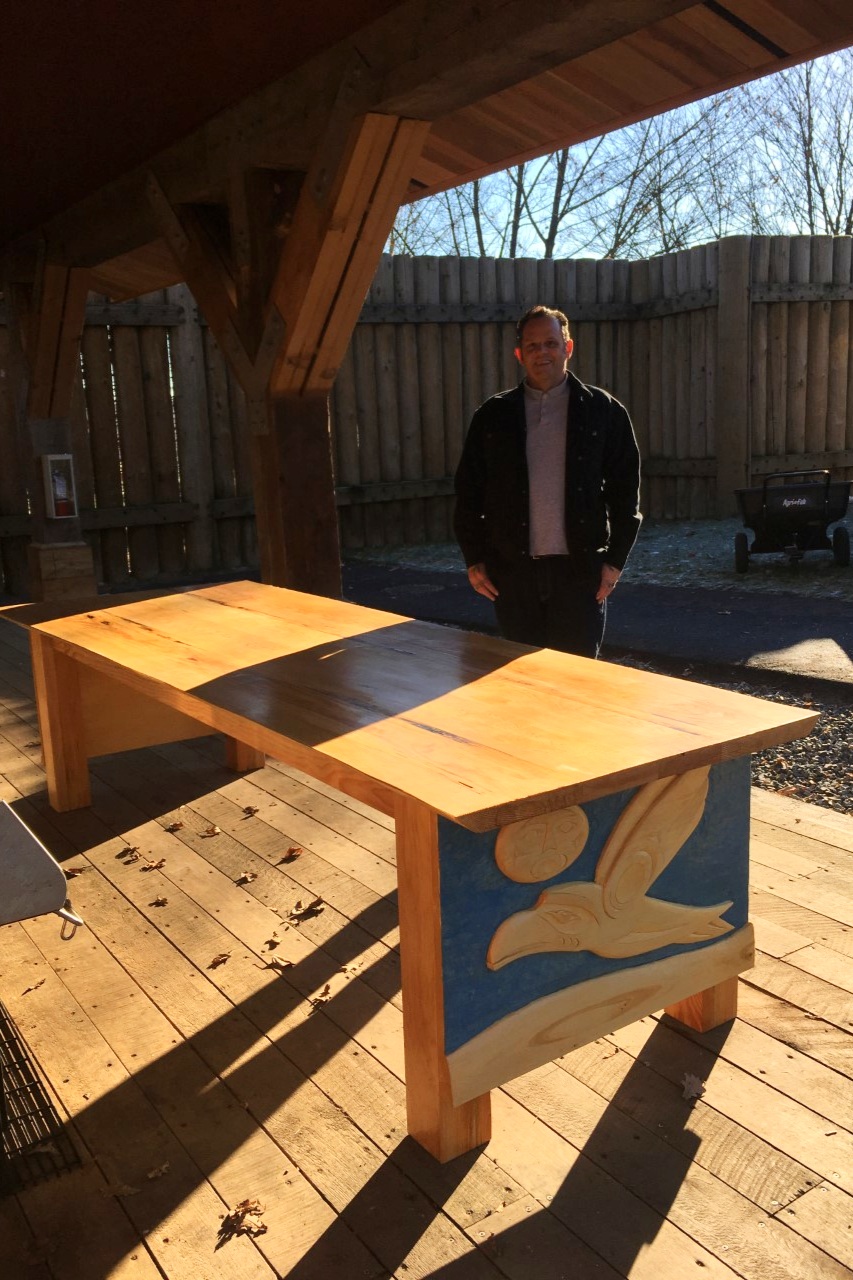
(647, 836)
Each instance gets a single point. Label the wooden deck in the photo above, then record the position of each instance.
(228, 1028)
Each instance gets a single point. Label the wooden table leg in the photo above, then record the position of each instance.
(707, 1009)
(242, 758)
(444, 1129)
(60, 712)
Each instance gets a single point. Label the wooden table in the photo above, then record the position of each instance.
(572, 836)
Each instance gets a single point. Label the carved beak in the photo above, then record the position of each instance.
(523, 934)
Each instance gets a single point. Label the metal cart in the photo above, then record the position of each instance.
(791, 511)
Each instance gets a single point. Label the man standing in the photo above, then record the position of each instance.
(547, 495)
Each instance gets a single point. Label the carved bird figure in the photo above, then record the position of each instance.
(613, 915)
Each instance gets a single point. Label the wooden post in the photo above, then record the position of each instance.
(295, 496)
(60, 562)
(445, 1130)
(732, 406)
(284, 326)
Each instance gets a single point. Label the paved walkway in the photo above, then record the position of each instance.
(800, 635)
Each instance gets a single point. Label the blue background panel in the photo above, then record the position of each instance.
(711, 867)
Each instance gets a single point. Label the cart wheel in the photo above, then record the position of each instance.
(741, 553)
(841, 545)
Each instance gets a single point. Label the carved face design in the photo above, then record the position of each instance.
(538, 848)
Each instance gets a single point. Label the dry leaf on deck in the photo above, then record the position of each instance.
(119, 1189)
(323, 998)
(300, 913)
(250, 810)
(130, 852)
(158, 902)
(210, 831)
(175, 826)
(292, 854)
(153, 866)
(246, 877)
(71, 872)
(35, 987)
(159, 1172)
(692, 1086)
(222, 958)
(243, 1220)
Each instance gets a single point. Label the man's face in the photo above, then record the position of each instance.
(544, 352)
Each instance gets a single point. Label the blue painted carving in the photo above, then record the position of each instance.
(711, 868)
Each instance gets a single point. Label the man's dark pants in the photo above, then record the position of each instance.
(550, 602)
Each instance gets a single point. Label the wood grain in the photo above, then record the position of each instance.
(478, 729)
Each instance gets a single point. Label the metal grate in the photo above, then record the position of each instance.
(36, 1145)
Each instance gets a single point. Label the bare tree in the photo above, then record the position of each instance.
(802, 139)
(775, 156)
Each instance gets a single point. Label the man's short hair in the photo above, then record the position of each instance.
(540, 312)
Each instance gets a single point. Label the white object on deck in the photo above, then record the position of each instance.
(32, 883)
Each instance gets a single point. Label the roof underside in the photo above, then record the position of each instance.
(191, 89)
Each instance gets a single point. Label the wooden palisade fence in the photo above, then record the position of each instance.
(735, 359)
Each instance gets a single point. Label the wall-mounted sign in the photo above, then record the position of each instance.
(59, 490)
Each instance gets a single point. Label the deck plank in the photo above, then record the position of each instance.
(279, 1072)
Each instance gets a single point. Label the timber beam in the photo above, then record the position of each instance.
(281, 283)
(420, 60)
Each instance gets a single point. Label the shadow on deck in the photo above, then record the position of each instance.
(227, 1030)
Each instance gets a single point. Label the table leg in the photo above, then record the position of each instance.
(442, 1128)
(707, 1009)
(242, 758)
(63, 735)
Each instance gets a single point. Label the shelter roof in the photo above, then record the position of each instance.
(95, 96)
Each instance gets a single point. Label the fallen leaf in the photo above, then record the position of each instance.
(158, 902)
(153, 866)
(119, 1189)
(175, 826)
(130, 852)
(692, 1086)
(210, 831)
(246, 877)
(250, 810)
(292, 854)
(71, 872)
(323, 998)
(300, 913)
(222, 958)
(159, 1172)
(243, 1220)
(34, 988)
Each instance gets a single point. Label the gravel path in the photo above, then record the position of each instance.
(818, 768)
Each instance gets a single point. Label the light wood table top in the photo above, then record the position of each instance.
(481, 730)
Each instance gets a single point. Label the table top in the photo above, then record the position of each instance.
(482, 730)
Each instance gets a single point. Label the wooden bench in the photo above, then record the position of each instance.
(572, 836)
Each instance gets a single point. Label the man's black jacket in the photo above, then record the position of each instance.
(491, 520)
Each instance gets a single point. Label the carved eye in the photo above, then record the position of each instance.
(563, 918)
